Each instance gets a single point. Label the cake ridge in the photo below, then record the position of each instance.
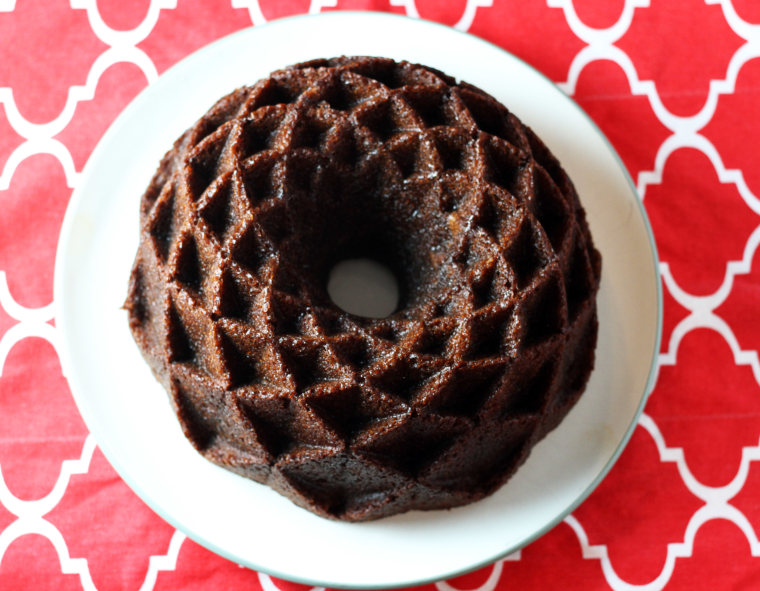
(358, 418)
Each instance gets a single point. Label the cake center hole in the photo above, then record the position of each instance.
(363, 287)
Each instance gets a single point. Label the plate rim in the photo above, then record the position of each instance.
(66, 234)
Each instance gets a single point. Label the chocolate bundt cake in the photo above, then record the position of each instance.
(357, 418)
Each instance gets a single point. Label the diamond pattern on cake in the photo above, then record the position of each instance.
(455, 194)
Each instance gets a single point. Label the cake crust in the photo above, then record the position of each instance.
(357, 418)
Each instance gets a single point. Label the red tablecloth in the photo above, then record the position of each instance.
(675, 84)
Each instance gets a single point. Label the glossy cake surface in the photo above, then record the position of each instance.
(357, 418)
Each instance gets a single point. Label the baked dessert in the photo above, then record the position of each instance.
(358, 418)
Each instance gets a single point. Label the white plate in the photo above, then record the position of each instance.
(129, 414)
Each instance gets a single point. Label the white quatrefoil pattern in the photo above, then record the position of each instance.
(675, 85)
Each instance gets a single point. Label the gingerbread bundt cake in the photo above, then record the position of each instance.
(357, 418)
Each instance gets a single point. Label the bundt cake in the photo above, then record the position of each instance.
(358, 418)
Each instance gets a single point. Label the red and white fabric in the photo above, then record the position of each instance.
(675, 85)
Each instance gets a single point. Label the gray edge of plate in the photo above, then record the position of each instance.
(58, 299)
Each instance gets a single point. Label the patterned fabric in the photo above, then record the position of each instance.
(674, 85)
